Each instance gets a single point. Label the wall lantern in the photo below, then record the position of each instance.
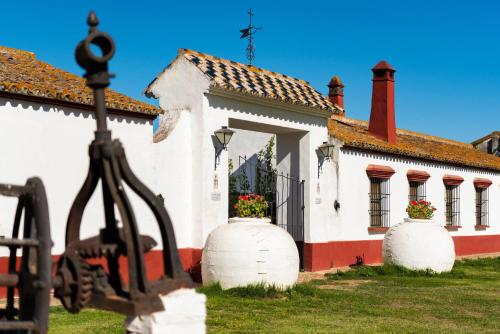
(223, 136)
(326, 150)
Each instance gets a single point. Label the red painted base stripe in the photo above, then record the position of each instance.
(190, 259)
(481, 244)
(323, 256)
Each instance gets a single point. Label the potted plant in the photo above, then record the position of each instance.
(250, 208)
(420, 211)
(250, 250)
(419, 243)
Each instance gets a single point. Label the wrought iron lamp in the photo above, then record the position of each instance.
(326, 150)
(223, 136)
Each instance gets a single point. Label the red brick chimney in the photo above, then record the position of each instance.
(382, 117)
(336, 91)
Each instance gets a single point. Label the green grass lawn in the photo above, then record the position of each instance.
(364, 300)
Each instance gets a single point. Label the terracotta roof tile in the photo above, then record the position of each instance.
(252, 80)
(354, 133)
(21, 73)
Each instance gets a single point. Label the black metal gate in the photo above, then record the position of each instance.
(284, 193)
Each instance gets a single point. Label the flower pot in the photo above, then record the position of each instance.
(419, 244)
(250, 251)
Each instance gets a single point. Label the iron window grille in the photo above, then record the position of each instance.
(452, 203)
(417, 191)
(482, 206)
(379, 202)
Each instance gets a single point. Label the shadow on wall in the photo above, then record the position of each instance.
(245, 173)
(68, 111)
(264, 111)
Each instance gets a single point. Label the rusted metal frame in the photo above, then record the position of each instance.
(33, 280)
(108, 164)
(36, 271)
(9, 280)
(10, 309)
(110, 233)
(40, 212)
(138, 283)
(171, 261)
(16, 243)
(11, 190)
(26, 306)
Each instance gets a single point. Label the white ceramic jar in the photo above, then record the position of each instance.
(250, 251)
(419, 244)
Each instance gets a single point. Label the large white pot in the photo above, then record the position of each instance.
(419, 244)
(250, 251)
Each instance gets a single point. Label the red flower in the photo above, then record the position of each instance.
(413, 203)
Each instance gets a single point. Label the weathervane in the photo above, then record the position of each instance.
(248, 33)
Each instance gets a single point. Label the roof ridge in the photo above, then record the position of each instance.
(354, 133)
(349, 121)
(184, 51)
(21, 73)
(248, 79)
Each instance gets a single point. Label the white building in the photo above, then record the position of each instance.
(349, 200)
(46, 124)
(200, 94)
(337, 208)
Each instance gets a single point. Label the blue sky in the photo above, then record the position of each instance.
(446, 53)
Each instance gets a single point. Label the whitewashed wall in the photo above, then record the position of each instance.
(353, 220)
(220, 111)
(52, 142)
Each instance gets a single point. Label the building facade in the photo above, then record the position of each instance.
(380, 168)
(350, 198)
(337, 206)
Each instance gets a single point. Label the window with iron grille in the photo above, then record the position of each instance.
(482, 206)
(379, 202)
(452, 203)
(417, 191)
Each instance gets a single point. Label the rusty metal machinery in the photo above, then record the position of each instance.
(77, 282)
(31, 276)
(88, 272)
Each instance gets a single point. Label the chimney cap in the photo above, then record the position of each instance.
(383, 65)
(335, 82)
